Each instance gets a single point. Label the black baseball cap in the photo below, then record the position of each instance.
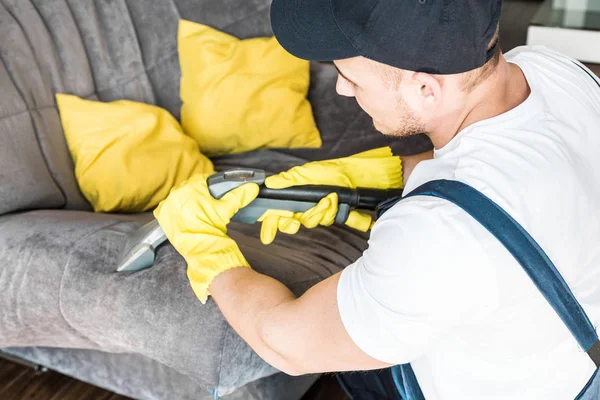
(433, 36)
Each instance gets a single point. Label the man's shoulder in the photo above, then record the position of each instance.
(536, 52)
(423, 211)
(430, 229)
(424, 249)
(555, 66)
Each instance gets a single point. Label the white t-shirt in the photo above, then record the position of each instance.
(436, 289)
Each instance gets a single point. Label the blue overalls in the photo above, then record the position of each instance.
(399, 382)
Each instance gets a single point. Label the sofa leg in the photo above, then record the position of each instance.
(39, 369)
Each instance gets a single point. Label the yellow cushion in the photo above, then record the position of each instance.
(127, 155)
(241, 95)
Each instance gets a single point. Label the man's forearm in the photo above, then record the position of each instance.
(248, 299)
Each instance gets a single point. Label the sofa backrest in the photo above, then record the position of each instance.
(106, 50)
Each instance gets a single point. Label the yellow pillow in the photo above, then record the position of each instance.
(127, 155)
(241, 95)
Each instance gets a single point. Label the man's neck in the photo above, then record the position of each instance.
(501, 92)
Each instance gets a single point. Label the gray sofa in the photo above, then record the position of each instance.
(62, 305)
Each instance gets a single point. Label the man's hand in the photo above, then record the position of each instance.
(196, 224)
(377, 169)
(295, 335)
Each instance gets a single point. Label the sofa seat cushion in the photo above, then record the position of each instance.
(60, 289)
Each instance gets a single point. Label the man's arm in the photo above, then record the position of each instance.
(295, 335)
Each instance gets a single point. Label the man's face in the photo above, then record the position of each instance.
(379, 93)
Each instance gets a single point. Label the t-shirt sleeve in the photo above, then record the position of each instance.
(423, 274)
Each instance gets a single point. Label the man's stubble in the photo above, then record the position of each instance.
(407, 124)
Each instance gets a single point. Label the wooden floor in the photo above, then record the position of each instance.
(18, 382)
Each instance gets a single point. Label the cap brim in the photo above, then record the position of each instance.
(308, 30)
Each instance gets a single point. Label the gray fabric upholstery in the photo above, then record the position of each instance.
(139, 377)
(60, 289)
(25, 181)
(34, 73)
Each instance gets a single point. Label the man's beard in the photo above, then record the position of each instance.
(408, 125)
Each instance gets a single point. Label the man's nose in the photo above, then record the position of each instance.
(343, 88)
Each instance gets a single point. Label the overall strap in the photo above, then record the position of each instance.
(526, 251)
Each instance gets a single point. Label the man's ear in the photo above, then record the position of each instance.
(429, 88)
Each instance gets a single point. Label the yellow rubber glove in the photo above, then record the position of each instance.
(196, 225)
(377, 169)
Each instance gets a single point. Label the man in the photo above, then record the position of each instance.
(434, 288)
